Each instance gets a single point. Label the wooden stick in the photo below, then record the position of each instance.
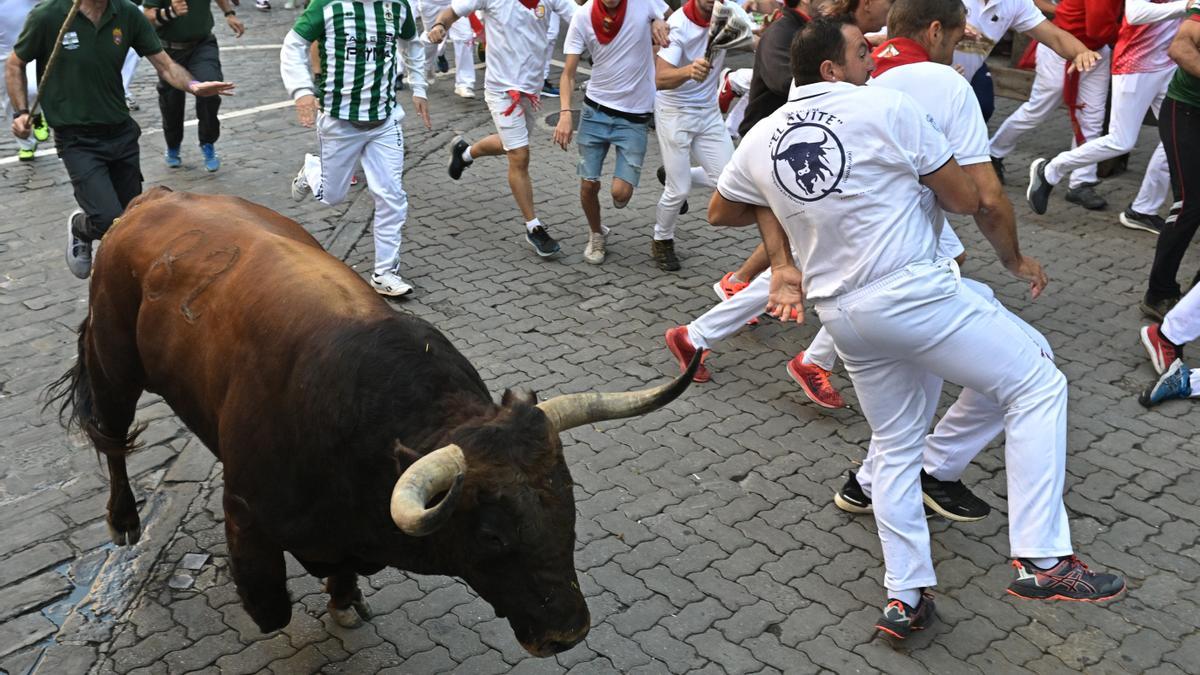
(54, 55)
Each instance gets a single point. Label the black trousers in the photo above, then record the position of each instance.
(1179, 128)
(105, 170)
(203, 61)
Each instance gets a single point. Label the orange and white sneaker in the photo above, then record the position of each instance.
(683, 350)
(814, 380)
(728, 287)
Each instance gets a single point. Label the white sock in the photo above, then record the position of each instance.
(466, 155)
(911, 597)
(530, 224)
(1044, 563)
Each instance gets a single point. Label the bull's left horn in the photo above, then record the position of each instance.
(573, 410)
(440, 471)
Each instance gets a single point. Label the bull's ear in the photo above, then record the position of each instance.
(403, 455)
(511, 397)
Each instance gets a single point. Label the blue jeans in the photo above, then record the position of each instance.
(599, 130)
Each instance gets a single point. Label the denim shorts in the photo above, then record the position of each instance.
(597, 131)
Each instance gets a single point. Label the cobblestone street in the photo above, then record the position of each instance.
(707, 536)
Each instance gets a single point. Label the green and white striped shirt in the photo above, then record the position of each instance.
(359, 45)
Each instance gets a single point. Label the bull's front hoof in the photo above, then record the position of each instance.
(125, 535)
(352, 616)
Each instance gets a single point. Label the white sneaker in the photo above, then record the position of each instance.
(594, 251)
(464, 91)
(262, 5)
(300, 186)
(390, 284)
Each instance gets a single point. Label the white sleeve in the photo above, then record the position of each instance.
(658, 9)
(969, 137)
(574, 42)
(737, 179)
(464, 7)
(1028, 16)
(673, 53)
(294, 66)
(565, 9)
(918, 136)
(1139, 12)
(413, 52)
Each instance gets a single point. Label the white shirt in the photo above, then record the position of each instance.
(622, 70)
(688, 42)
(948, 98)
(839, 166)
(13, 14)
(516, 40)
(992, 19)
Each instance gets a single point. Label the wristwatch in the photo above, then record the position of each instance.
(18, 113)
(230, 13)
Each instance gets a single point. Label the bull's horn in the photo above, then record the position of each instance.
(440, 471)
(573, 410)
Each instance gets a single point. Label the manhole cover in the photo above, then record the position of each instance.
(552, 119)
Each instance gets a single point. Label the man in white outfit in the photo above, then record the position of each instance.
(12, 18)
(864, 253)
(1141, 71)
(515, 31)
(687, 121)
(1164, 344)
(361, 119)
(462, 41)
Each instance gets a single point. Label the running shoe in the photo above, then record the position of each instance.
(1085, 195)
(851, 498)
(79, 251)
(951, 499)
(1038, 192)
(1162, 351)
(726, 288)
(663, 252)
(1070, 579)
(595, 250)
(300, 186)
(814, 381)
(1146, 222)
(1173, 384)
(457, 163)
(542, 242)
(172, 158)
(683, 350)
(390, 284)
(212, 161)
(899, 620)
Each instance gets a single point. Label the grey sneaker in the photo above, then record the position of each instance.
(1147, 222)
(1038, 192)
(594, 252)
(1085, 196)
(79, 251)
(300, 186)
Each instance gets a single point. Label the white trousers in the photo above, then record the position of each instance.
(684, 133)
(1045, 99)
(739, 82)
(129, 68)
(919, 321)
(1132, 95)
(6, 105)
(381, 152)
(462, 39)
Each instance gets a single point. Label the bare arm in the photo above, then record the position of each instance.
(998, 224)
(722, 211)
(566, 87)
(667, 76)
(441, 24)
(1065, 45)
(234, 23)
(178, 77)
(786, 298)
(955, 190)
(161, 16)
(18, 94)
(1183, 50)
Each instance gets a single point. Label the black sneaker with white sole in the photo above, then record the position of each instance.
(1085, 196)
(899, 620)
(1147, 222)
(951, 499)
(662, 180)
(1157, 309)
(542, 242)
(1038, 192)
(851, 497)
(1069, 579)
(457, 163)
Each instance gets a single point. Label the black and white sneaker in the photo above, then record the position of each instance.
(1038, 192)
(1070, 579)
(851, 497)
(662, 180)
(1147, 222)
(1085, 195)
(457, 163)
(79, 251)
(951, 499)
(542, 242)
(899, 620)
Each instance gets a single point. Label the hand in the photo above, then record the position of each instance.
(564, 129)
(958, 68)
(238, 28)
(180, 7)
(306, 110)
(660, 33)
(22, 126)
(699, 69)
(786, 299)
(211, 88)
(1084, 62)
(970, 33)
(436, 34)
(1029, 269)
(419, 102)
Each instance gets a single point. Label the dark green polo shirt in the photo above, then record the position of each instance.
(193, 26)
(85, 85)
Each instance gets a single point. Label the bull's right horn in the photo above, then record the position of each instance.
(440, 471)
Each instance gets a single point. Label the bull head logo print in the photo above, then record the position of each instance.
(809, 161)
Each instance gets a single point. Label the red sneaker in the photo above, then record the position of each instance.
(727, 287)
(725, 94)
(814, 380)
(684, 350)
(1162, 352)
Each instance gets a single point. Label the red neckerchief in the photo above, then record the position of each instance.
(530, 4)
(898, 52)
(692, 12)
(535, 101)
(607, 25)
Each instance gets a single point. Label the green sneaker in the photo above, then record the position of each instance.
(25, 155)
(41, 130)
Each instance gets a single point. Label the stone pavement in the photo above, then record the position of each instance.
(707, 539)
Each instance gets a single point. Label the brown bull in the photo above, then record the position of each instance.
(338, 420)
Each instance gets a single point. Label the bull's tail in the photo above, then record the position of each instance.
(76, 405)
